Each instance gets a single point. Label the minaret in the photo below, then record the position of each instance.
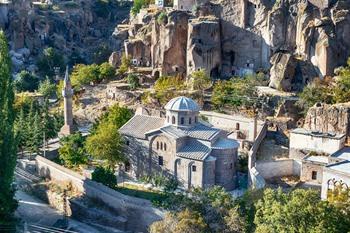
(67, 93)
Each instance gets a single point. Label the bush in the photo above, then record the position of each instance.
(46, 88)
(133, 81)
(104, 176)
(106, 71)
(125, 65)
(162, 18)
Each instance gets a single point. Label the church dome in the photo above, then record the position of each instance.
(182, 104)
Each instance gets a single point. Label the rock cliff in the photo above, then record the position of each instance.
(234, 37)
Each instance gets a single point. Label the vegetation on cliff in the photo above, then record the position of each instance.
(7, 137)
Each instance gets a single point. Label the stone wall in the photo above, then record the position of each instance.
(139, 212)
(306, 172)
(277, 168)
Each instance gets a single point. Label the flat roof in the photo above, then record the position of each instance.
(318, 134)
(343, 167)
(317, 159)
(343, 153)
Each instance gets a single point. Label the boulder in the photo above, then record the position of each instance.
(114, 59)
(282, 71)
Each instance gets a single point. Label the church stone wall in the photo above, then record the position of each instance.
(225, 167)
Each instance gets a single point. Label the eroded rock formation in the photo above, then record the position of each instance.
(328, 118)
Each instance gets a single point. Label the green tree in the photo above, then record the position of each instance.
(200, 80)
(117, 115)
(234, 93)
(106, 144)
(125, 65)
(7, 138)
(84, 74)
(106, 71)
(138, 5)
(133, 81)
(50, 59)
(298, 211)
(46, 88)
(342, 90)
(72, 152)
(185, 221)
(104, 176)
(318, 91)
(26, 82)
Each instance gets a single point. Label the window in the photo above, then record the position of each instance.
(127, 142)
(182, 120)
(157, 145)
(314, 175)
(190, 120)
(165, 146)
(160, 160)
(231, 165)
(237, 126)
(168, 119)
(161, 145)
(173, 120)
(194, 168)
(196, 119)
(127, 166)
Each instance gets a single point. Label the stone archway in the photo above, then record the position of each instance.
(150, 155)
(176, 163)
(189, 178)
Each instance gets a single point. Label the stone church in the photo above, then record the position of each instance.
(180, 145)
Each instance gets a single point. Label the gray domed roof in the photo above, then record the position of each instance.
(182, 104)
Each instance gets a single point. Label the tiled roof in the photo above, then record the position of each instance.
(175, 132)
(201, 131)
(195, 150)
(139, 125)
(225, 143)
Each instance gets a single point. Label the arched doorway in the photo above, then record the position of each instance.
(189, 179)
(176, 166)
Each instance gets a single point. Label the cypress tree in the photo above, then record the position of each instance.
(7, 139)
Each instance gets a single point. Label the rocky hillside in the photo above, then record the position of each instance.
(75, 28)
(297, 39)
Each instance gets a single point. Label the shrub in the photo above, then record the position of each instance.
(106, 71)
(104, 176)
(125, 65)
(133, 81)
(162, 18)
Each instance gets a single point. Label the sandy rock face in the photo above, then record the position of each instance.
(169, 43)
(204, 46)
(329, 118)
(282, 71)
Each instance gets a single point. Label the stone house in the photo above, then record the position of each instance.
(180, 145)
(184, 5)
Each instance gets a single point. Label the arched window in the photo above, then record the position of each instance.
(182, 120)
(157, 145)
(161, 145)
(173, 120)
(190, 120)
(165, 146)
(237, 126)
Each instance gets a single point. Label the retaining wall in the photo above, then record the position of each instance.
(139, 212)
(276, 168)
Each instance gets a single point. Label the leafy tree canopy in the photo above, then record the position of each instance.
(50, 59)
(72, 152)
(26, 81)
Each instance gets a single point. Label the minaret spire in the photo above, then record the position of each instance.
(67, 93)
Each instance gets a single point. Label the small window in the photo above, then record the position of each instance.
(160, 160)
(194, 168)
(196, 119)
(182, 120)
(127, 166)
(173, 120)
(127, 142)
(314, 175)
(190, 120)
(231, 165)
(157, 145)
(237, 126)
(161, 145)
(165, 146)
(168, 119)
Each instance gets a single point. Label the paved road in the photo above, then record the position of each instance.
(36, 212)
